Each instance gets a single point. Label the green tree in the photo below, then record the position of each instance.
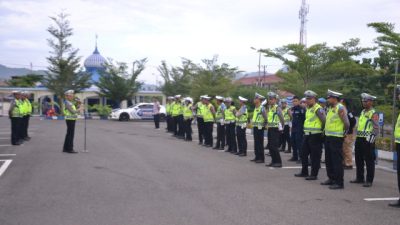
(177, 80)
(117, 83)
(213, 79)
(29, 80)
(64, 72)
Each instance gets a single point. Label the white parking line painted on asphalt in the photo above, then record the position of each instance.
(5, 145)
(5, 165)
(3, 155)
(296, 167)
(381, 199)
(4, 138)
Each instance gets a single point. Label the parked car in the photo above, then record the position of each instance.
(141, 111)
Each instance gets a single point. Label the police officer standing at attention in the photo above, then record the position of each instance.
(199, 110)
(16, 118)
(220, 120)
(396, 204)
(337, 124)
(209, 118)
(285, 135)
(168, 109)
(71, 115)
(367, 131)
(259, 121)
(188, 118)
(312, 142)
(275, 120)
(177, 114)
(230, 120)
(241, 126)
(297, 115)
(26, 114)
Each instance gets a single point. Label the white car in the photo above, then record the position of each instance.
(141, 111)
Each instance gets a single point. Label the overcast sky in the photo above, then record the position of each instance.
(194, 29)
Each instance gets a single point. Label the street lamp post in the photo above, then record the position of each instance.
(259, 64)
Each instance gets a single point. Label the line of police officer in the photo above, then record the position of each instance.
(19, 113)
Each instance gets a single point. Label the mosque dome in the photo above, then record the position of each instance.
(95, 61)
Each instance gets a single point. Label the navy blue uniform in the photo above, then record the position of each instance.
(298, 117)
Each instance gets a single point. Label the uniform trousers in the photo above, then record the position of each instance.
(241, 139)
(334, 159)
(312, 147)
(365, 155)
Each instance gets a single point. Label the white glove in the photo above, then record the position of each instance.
(244, 126)
(264, 102)
(280, 128)
(222, 121)
(371, 138)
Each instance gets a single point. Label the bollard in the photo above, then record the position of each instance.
(395, 160)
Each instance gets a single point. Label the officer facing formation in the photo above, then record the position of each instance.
(337, 124)
(312, 142)
(241, 126)
(15, 114)
(230, 121)
(285, 135)
(71, 112)
(220, 120)
(275, 123)
(259, 121)
(367, 131)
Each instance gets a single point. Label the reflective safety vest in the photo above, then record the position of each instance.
(208, 115)
(313, 124)
(187, 112)
(176, 109)
(16, 112)
(286, 116)
(200, 109)
(243, 118)
(229, 114)
(273, 119)
(218, 114)
(168, 108)
(26, 107)
(365, 123)
(258, 118)
(69, 115)
(334, 125)
(397, 130)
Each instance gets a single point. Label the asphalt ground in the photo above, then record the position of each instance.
(134, 174)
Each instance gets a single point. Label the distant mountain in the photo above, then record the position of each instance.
(8, 72)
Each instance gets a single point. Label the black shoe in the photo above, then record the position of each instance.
(216, 147)
(288, 151)
(348, 167)
(367, 184)
(275, 165)
(236, 153)
(221, 148)
(328, 182)
(200, 143)
(357, 181)
(300, 175)
(20, 142)
(311, 178)
(253, 160)
(27, 138)
(227, 150)
(208, 146)
(298, 162)
(292, 160)
(16, 143)
(336, 187)
(395, 204)
(242, 154)
(259, 161)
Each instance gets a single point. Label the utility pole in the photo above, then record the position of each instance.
(304, 9)
(265, 73)
(396, 69)
(259, 64)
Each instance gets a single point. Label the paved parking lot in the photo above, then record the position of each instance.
(134, 174)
